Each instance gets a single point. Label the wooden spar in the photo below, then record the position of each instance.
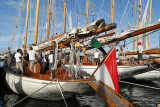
(112, 11)
(110, 34)
(149, 22)
(36, 22)
(49, 39)
(94, 32)
(112, 17)
(26, 28)
(134, 24)
(64, 17)
(87, 11)
(139, 19)
(152, 51)
(48, 22)
(68, 41)
(99, 30)
(135, 33)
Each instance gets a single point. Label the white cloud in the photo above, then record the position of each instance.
(11, 3)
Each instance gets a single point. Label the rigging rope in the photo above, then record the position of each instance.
(56, 57)
(78, 66)
(71, 61)
(106, 14)
(62, 93)
(123, 15)
(100, 9)
(43, 21)
(60, 7)
(17, 22)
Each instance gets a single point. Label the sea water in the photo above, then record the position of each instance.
(136, 95)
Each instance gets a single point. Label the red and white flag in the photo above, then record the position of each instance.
(107, 71)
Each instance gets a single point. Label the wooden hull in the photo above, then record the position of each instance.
(25, 86)
(123, 71)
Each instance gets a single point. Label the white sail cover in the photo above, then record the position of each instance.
(86, 30)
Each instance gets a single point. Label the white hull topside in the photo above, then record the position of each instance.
(25, 86)
(148, 76)
(123, 71)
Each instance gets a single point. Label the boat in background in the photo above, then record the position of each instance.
(3, 56)
(124, 71)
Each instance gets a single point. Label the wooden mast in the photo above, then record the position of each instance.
(112, 17)
(149, 22)
(134, 24)
(48, 22)
(36, 22)
(139, 19)
(64, 17)
(87, 11)
(26, 28)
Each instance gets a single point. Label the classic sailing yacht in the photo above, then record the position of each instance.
(59, 81)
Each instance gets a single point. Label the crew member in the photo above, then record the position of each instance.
(19, 64)
(32, 58)
(96, 57)
(140, 56)
(50, 58)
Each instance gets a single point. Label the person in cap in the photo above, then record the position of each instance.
(140, 55)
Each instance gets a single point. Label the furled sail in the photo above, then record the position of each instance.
(143, 38)
(74, 33)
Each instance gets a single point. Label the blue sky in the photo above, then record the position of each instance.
(9, 10)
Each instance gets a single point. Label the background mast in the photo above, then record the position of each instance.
(134, 24)
(149, 22)
(64, 17)
(26, 28)
(48, 22)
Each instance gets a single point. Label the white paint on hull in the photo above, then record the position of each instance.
(123, 71)
(148, 76)
(26, 86)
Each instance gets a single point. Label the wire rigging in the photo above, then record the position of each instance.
(121, 23)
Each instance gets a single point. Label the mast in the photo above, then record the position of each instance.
(26, 28)
(64, 17)
(112, 17)
(149, 22)
(36, 22)
(87, 11)
(48, 22)
(112, 12)
(134, 24)
(139, 19)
